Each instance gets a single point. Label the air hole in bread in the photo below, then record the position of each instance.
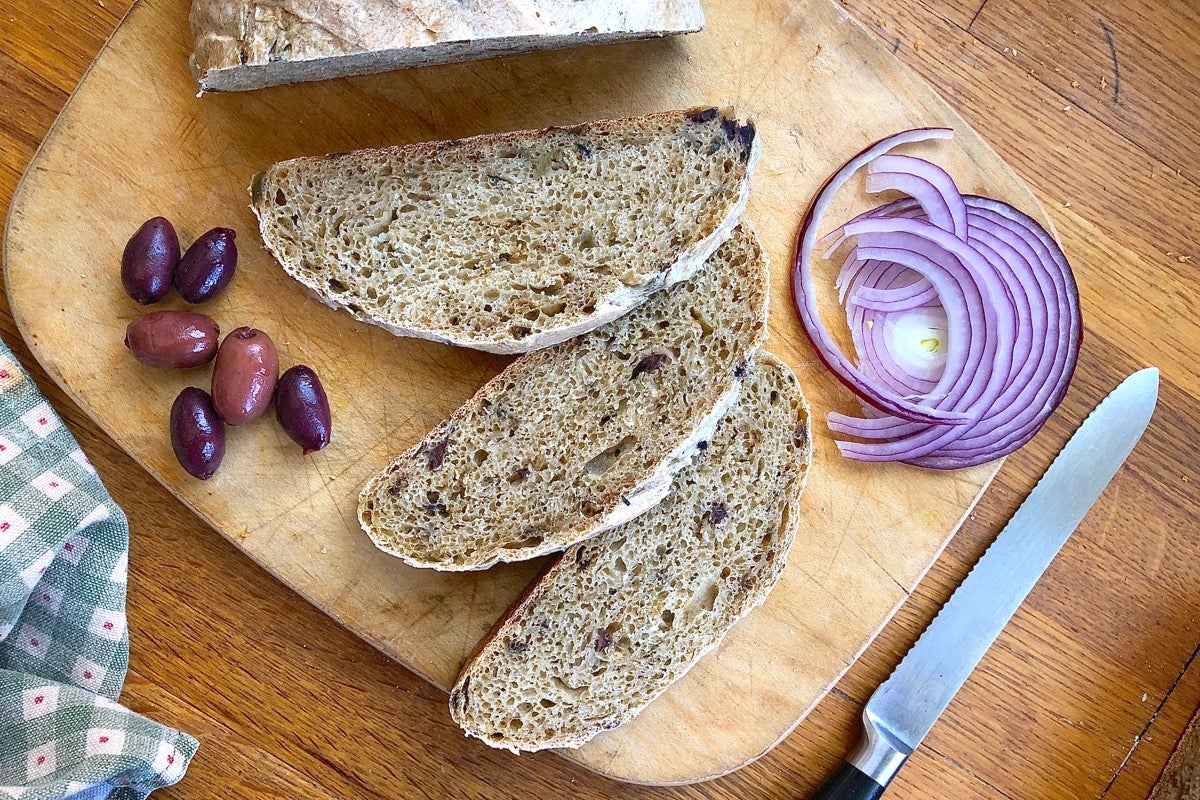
(608, 459)
(531, 540)
(705, 598)
(706, 328)
(562, 686)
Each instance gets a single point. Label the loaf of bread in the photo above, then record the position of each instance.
(618, 618)
(581, 437)
(515, 241)
(241, 44)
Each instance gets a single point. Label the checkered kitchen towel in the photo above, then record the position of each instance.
(64, 647)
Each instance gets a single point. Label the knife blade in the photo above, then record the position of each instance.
(905, 706)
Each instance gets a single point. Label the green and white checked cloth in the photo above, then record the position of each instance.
(64, 644)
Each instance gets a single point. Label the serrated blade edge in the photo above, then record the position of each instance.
(907, 704)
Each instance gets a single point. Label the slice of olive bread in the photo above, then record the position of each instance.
(510, 242)
(249, 44)
(578, 438)
(618, 618)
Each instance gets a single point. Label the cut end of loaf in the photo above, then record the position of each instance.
(511, 242)
(620, 617)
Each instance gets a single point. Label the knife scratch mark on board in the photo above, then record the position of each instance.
(884, 570)
(1160, 542)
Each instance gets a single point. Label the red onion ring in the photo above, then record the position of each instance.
(991, 286)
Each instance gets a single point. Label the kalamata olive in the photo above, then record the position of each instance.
(244, 376)
(149, 261)
(302, 408)
(197, 433)
(173, 339)
(208, 265)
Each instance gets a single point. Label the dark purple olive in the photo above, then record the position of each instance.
(173, 339)
(302, 408)
(197, 433)
(149, 261)
(244, 377)
(208, 266)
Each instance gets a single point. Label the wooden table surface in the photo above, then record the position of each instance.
(1083, 696)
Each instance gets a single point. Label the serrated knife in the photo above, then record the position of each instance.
(905, 706)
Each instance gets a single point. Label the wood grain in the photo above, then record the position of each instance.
(1120, 601)
(867, 533)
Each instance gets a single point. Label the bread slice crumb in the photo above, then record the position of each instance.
(581, 437)
(617, 619)
(510, 242)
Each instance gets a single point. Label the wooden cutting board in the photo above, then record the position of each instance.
(135, 141)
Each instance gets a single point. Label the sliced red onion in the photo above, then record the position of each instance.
(804, 295)
(928, 184)
(962, 310)
(896, 298)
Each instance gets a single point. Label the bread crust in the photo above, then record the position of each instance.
(249, 44)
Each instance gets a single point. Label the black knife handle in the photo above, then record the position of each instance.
(848, 783)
